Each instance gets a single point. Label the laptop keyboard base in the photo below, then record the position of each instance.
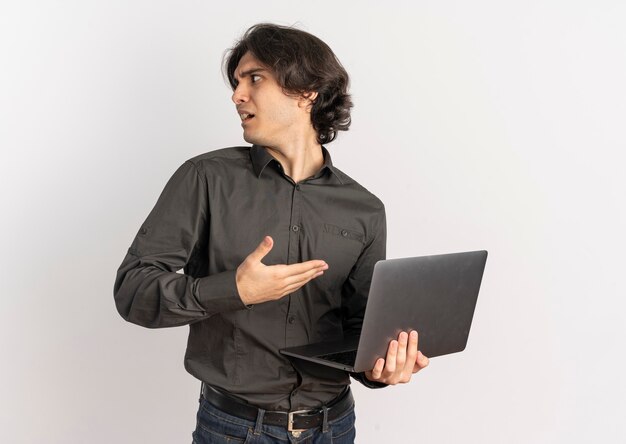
(346, 358)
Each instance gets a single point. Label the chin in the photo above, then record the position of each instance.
(254, 140)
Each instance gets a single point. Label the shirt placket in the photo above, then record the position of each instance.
(293, 325)
(293, 255)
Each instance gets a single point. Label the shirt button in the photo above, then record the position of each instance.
(344, 233)
(298, 187)
(291, 319)
(295, 228)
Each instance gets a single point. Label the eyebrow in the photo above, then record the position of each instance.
(248, 73)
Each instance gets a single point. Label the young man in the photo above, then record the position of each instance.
(307, 280)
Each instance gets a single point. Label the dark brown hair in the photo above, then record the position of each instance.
(301, 63)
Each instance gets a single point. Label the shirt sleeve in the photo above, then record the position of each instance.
(148, 291)
(356, 288)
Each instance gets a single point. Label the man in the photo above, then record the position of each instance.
(307, 280)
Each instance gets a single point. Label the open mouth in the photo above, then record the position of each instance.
(246, 117)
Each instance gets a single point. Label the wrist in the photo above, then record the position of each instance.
(239, 286)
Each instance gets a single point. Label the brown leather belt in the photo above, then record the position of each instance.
(299, 420)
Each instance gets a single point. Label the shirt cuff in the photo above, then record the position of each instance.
(218, 293)
(366, 382)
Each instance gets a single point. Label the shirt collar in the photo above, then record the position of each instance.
(261, 158)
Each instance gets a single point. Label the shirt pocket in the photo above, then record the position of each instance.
(345, 233)
(340, 246)
(343, 246)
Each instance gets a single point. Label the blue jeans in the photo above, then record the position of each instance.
(215, 426)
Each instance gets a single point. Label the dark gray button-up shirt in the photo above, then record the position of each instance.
(213, 212)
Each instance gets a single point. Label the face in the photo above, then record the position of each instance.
(269, 117)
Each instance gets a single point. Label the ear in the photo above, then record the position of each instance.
(307, 99)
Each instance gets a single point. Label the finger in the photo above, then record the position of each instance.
(303, 277)
(285, 271)
(403, 338)
(262, 249)
(390, 360)
(293, 287)
(377, 371)
(411, 356)
(422, 361)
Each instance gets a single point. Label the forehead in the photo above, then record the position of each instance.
(247, 63)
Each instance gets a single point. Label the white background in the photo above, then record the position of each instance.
(501, 122)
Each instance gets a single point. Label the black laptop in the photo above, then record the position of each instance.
(435, 295)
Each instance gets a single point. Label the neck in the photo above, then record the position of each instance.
(300, 160)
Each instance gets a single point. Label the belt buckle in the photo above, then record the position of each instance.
(295, 432)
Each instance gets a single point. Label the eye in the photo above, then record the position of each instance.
(255, 78)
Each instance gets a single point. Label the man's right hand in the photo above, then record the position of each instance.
(258, 283)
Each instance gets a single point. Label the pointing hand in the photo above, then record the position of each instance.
(258, 283)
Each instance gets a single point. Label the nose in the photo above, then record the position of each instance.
(240, 95)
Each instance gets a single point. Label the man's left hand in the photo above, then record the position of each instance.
(403, 360)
